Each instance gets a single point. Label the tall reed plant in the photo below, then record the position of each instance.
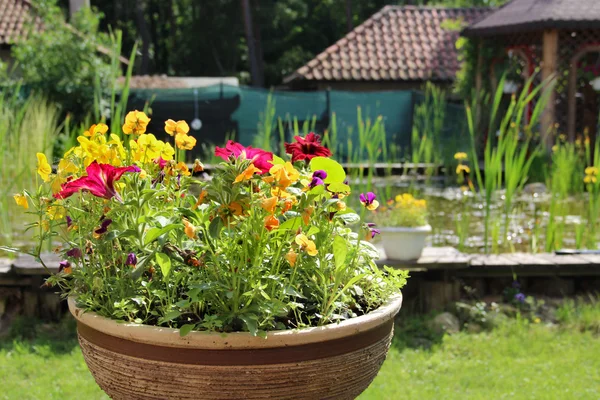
(510, 146)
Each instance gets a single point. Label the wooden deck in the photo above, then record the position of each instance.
(478, 265)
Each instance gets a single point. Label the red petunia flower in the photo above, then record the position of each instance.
(100, 181)
(306, 148)
(261, 159)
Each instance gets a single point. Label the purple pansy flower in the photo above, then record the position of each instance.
(374, 232)
(75, 252)
(69, 221)
(103, 226)
(369, 200)
(64, 266)
(520, 297)
(131, 259)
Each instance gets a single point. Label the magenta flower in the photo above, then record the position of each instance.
(260, 158)
(371, 227)
(369, 201)
(100, 181)
(162, 163)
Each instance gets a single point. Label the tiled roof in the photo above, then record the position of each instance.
(396, 44)
(16, 18)
(529, 15)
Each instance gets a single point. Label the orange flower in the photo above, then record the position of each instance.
(183, 168)
(95, 130)
(288, 204)
(247, 174)
(189, 229)
(269, 204)
(291, 257)
(280, 193)
(176, 128)
(306, 244)
(271, 223)
(201, 198)
(198, 166)
(306, 214)
(230, 210)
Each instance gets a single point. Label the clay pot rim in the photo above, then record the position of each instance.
(170, 337)
(424, 228)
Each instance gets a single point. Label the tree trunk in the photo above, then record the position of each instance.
(349, 24)
(145, 34)
(257, 79)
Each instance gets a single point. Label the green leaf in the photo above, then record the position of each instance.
(335, 172)
(290, 291)
(164, 262)
(340, 251)
(155, 233)
(291, 224)
(317, 190)
(338, 187)
(170, 316)
(185, 329)
(349, 218)
(215, 227)
(313, 231)
(251, 322)
(277, 160)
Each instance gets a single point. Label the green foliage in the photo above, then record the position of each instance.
(63, 61)
(404, 211)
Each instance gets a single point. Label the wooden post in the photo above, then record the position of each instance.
(549, 64)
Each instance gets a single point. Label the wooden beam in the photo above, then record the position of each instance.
(571, 100)
(549, 69)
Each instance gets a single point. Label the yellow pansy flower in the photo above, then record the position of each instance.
(590, 179)
(460, 156)
(306, 244)
(43, 168)
(56, 212)
(135, 122)
(96, 129)
(284, 174)
(591, 171)
(176, 128)
(460, 168)
(185, 142)
(21, 200)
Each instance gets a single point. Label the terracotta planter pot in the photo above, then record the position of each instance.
(336, 361)
(404, 243)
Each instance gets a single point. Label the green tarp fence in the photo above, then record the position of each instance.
(229, 110)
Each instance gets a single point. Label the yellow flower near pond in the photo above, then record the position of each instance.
(591, 171)
(590, 179)
(185, 142)
(135, 122)
(21, 200)
(460, 168)
(306, 244)
(460, 156)
(176, 128)
(43, 168)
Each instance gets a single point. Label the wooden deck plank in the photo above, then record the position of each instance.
(562, 260)
(27, 265)
(592, 258)
(5, 265)
(528, 259)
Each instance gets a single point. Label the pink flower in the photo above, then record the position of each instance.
(100, 181)
(260, 158)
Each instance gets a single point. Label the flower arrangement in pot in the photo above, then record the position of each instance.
(255, 283)
(403, 226)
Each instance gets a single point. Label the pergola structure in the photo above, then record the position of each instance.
(556, 35)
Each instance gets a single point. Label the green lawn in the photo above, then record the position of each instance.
(516, 361)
